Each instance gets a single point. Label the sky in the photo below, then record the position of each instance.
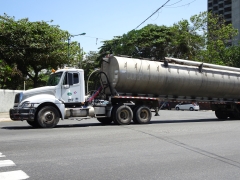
(102, 19)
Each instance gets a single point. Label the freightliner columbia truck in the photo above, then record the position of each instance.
(132, 87)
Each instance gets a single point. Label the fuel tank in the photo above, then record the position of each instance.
(172, 78)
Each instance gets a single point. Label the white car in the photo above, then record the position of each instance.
(187, 106)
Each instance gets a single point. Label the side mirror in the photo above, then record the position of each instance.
(70, 78)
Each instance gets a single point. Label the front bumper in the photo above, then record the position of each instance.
(20, 114)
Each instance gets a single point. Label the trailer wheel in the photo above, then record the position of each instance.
(48, 117)
(234, 116)
(142, 115)
(105, 120)
(34, 124)
(221, 114)
(122, 115)
(134, 115)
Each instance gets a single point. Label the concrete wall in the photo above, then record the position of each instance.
(7, 99)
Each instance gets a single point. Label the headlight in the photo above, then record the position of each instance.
(27, 104)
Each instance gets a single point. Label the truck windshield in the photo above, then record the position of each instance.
(54, 79)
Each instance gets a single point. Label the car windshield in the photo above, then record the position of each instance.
(54, 79)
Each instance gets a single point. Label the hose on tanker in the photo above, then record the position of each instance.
(108, 83)
(94, 95)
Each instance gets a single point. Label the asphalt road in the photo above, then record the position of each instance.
(176, 145)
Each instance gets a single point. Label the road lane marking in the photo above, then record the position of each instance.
(13, 175)
(4, 163)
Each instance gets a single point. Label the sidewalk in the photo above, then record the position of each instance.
(4, 116)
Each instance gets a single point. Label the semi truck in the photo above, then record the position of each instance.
(128, 90)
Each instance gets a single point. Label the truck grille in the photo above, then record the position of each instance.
(18, 98)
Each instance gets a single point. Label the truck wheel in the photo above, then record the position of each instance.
(105, 120)
(142, 115)
(221, 114)
(122, 115)
(48, 117)
(33, 124)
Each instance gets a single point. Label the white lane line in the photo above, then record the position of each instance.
(13, 175)
(1, 155)
(4, 163)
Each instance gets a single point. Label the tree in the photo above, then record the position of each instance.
(217, 36)
(232, 56)
(186, 42)
(89, 64)
(156, 41)
(206, 37)
(8, 75)
(33, 46)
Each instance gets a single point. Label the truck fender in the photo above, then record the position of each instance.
(40, 99)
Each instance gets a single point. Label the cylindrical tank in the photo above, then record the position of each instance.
(174, 79)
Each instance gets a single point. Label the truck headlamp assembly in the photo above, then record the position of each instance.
(27, 104)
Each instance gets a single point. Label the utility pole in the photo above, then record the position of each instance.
(69, 39)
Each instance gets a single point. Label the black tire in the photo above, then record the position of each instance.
(134, 114)
(234, 116)
(48, 117)
(122, 115)
(142, 115)
(221, 114)
(191, 109)
(105, 120)
(34, 124)
(177, 108)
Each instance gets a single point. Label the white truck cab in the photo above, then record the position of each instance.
(44, 106)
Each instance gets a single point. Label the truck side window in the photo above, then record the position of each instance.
(75, 78)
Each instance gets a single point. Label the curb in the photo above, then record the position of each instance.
(5, 120)
(4, 116)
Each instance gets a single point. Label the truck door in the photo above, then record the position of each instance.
(71, 87)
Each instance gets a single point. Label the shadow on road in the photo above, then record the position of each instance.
(28, 127)
(184, 121)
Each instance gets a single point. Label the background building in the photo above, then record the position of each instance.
(230, 9)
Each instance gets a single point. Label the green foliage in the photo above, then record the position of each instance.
(33, 46)
(76, 55)
(206, 37)
(90, 64)
(186, 42)
(9, 76)
(156, 41)
(217, 36)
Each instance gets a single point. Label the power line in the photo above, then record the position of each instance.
(152, 14)
(95, 37)
(187, 4)
(174, 3)
(166, 6)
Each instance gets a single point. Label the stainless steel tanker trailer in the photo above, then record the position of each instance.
(131, 87)
(177, 80)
